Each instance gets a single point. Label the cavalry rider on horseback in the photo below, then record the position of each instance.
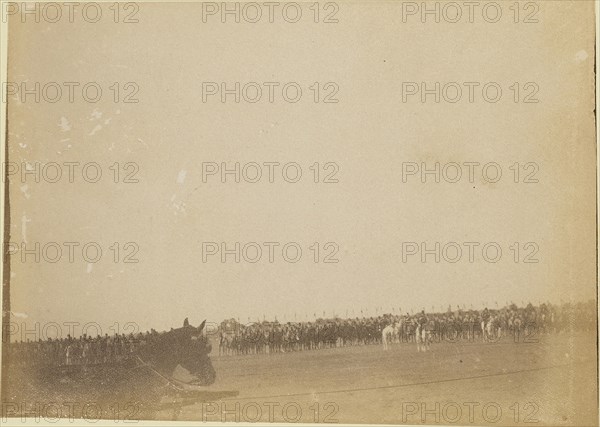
(422, 332)
(485, 318)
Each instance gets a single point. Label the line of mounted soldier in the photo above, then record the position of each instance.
(522, 324)
(234, 338)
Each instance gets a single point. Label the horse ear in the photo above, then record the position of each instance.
(201, 326)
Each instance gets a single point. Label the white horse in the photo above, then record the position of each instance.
(423, 338)
(387, 335)
(493, 329)
(490, 329)
(484, 330)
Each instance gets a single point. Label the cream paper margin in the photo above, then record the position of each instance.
(3, 135)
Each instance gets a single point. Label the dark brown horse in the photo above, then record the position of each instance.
(180, 356)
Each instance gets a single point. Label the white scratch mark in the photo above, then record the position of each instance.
(181, 176)
(21, 315)
(96, 115)
(64, 124)
(24, 189)
(24, 221)
(581, 56)
(96, 129)
(179, 208)
(89, 267)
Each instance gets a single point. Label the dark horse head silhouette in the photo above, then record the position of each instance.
(181, 355)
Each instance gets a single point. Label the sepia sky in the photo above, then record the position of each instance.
(369, 134)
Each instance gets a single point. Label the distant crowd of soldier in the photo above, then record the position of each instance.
(84, 350)
(525, 324)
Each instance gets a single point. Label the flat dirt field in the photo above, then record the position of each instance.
(551, 382)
